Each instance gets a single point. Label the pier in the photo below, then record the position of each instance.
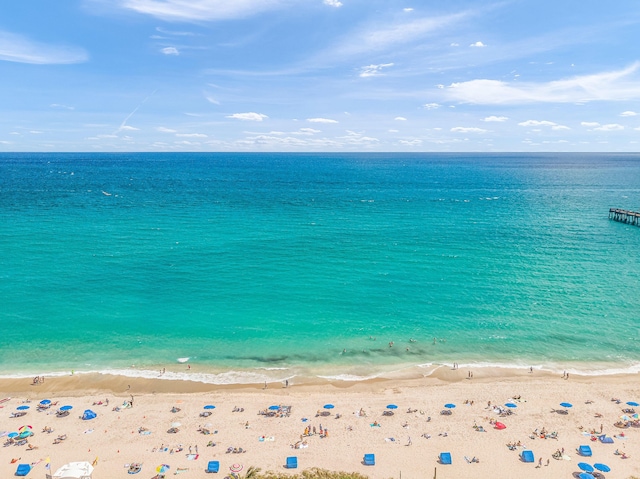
(624, 216)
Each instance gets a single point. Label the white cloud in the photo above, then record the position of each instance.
(333, 3)
(609, 127)
(250, 116)
(560, 127)
(211, 99)
(129, 128)
(415, 142)
(321, 120)
(308, 131)
(628, 113)
(495, 118)
(478, 45)
(590, 124)
(191, 135)
(431, 106)
(61, 107)
(454, 44)
(374, 70)
(537, 123)
(165, 130)
(408, 9)
(613, 86)
(170, 51)
(400, 118)
(16, 48)
(462, 129)
(198, 10)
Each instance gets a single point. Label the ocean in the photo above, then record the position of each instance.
(252, 267)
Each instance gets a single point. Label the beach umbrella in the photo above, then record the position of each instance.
(25, 434)
(449, 405)
(585, 467)
(12, 434)
(510, 404)
(22, 408)
(274, 408)
(66, 408)
(566, 404)
(162, 468)
(602, 467)
(499, 425)
(586, 475)
(25, 428)
(236, 468)
(392, 406)
(329, 406)
(633, 403)
(209, 406)
(45, 402)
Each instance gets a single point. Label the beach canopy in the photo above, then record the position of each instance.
(586, 475)
(585, 466)
(392, 406)
(22, 408)
(449, 405)
(633, 403)
(328, 406)
(566, 404)
(12, 435)
(209, 406)
(602, 467)
(45, 402)
(510, 404)
(74, 470)
(88, 414)
(66, 408)
(162, 468)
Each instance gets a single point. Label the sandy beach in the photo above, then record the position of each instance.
(406, 443)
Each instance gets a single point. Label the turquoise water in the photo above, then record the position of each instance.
(253, 265)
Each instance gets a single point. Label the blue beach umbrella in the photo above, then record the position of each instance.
(329, 406)
(12, 434)
(585, 467)
(633, 403)
(22, 408)
(392, 406)
(274, 408)
(66, 408)
(602, 467)
(510, 404)
(45, 402)
(566, 404)
(586, 475)
(209, 406)
(449, 405)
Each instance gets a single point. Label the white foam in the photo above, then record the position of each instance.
(183, 360)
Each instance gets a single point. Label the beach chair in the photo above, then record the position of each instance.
(584, 451)
(213, 466)
(292, 462)
(604, 439)
(444, 458)
(527, 456)
(23, 469)
(369, 460)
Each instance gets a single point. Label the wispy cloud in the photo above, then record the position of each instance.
(400, 118)
(129, 128)
(463, 129)
(614, 86)
(198, 10)
(16, 48)
(165, 130)
(191, 135)
(211, 99)
(170, 51)
(477, 45)
(537, 123)
(493, 118)
(628, 113)
(431, 106)
(595, 126)
(321, 120)
(374, 70)
(333, 3)
(61, 107)
(250, 116)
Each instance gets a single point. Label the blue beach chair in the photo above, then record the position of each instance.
(23, 469)
(213, 466)
(584, 451)
(292, 462)
(369, 460)
(527, 456)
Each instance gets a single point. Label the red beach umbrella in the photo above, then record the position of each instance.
(499, 425)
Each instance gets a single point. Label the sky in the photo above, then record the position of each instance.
(320, 75)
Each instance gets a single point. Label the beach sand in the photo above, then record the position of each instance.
(113, 439)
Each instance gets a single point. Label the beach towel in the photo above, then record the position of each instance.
(390, 439)
(192, 457)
